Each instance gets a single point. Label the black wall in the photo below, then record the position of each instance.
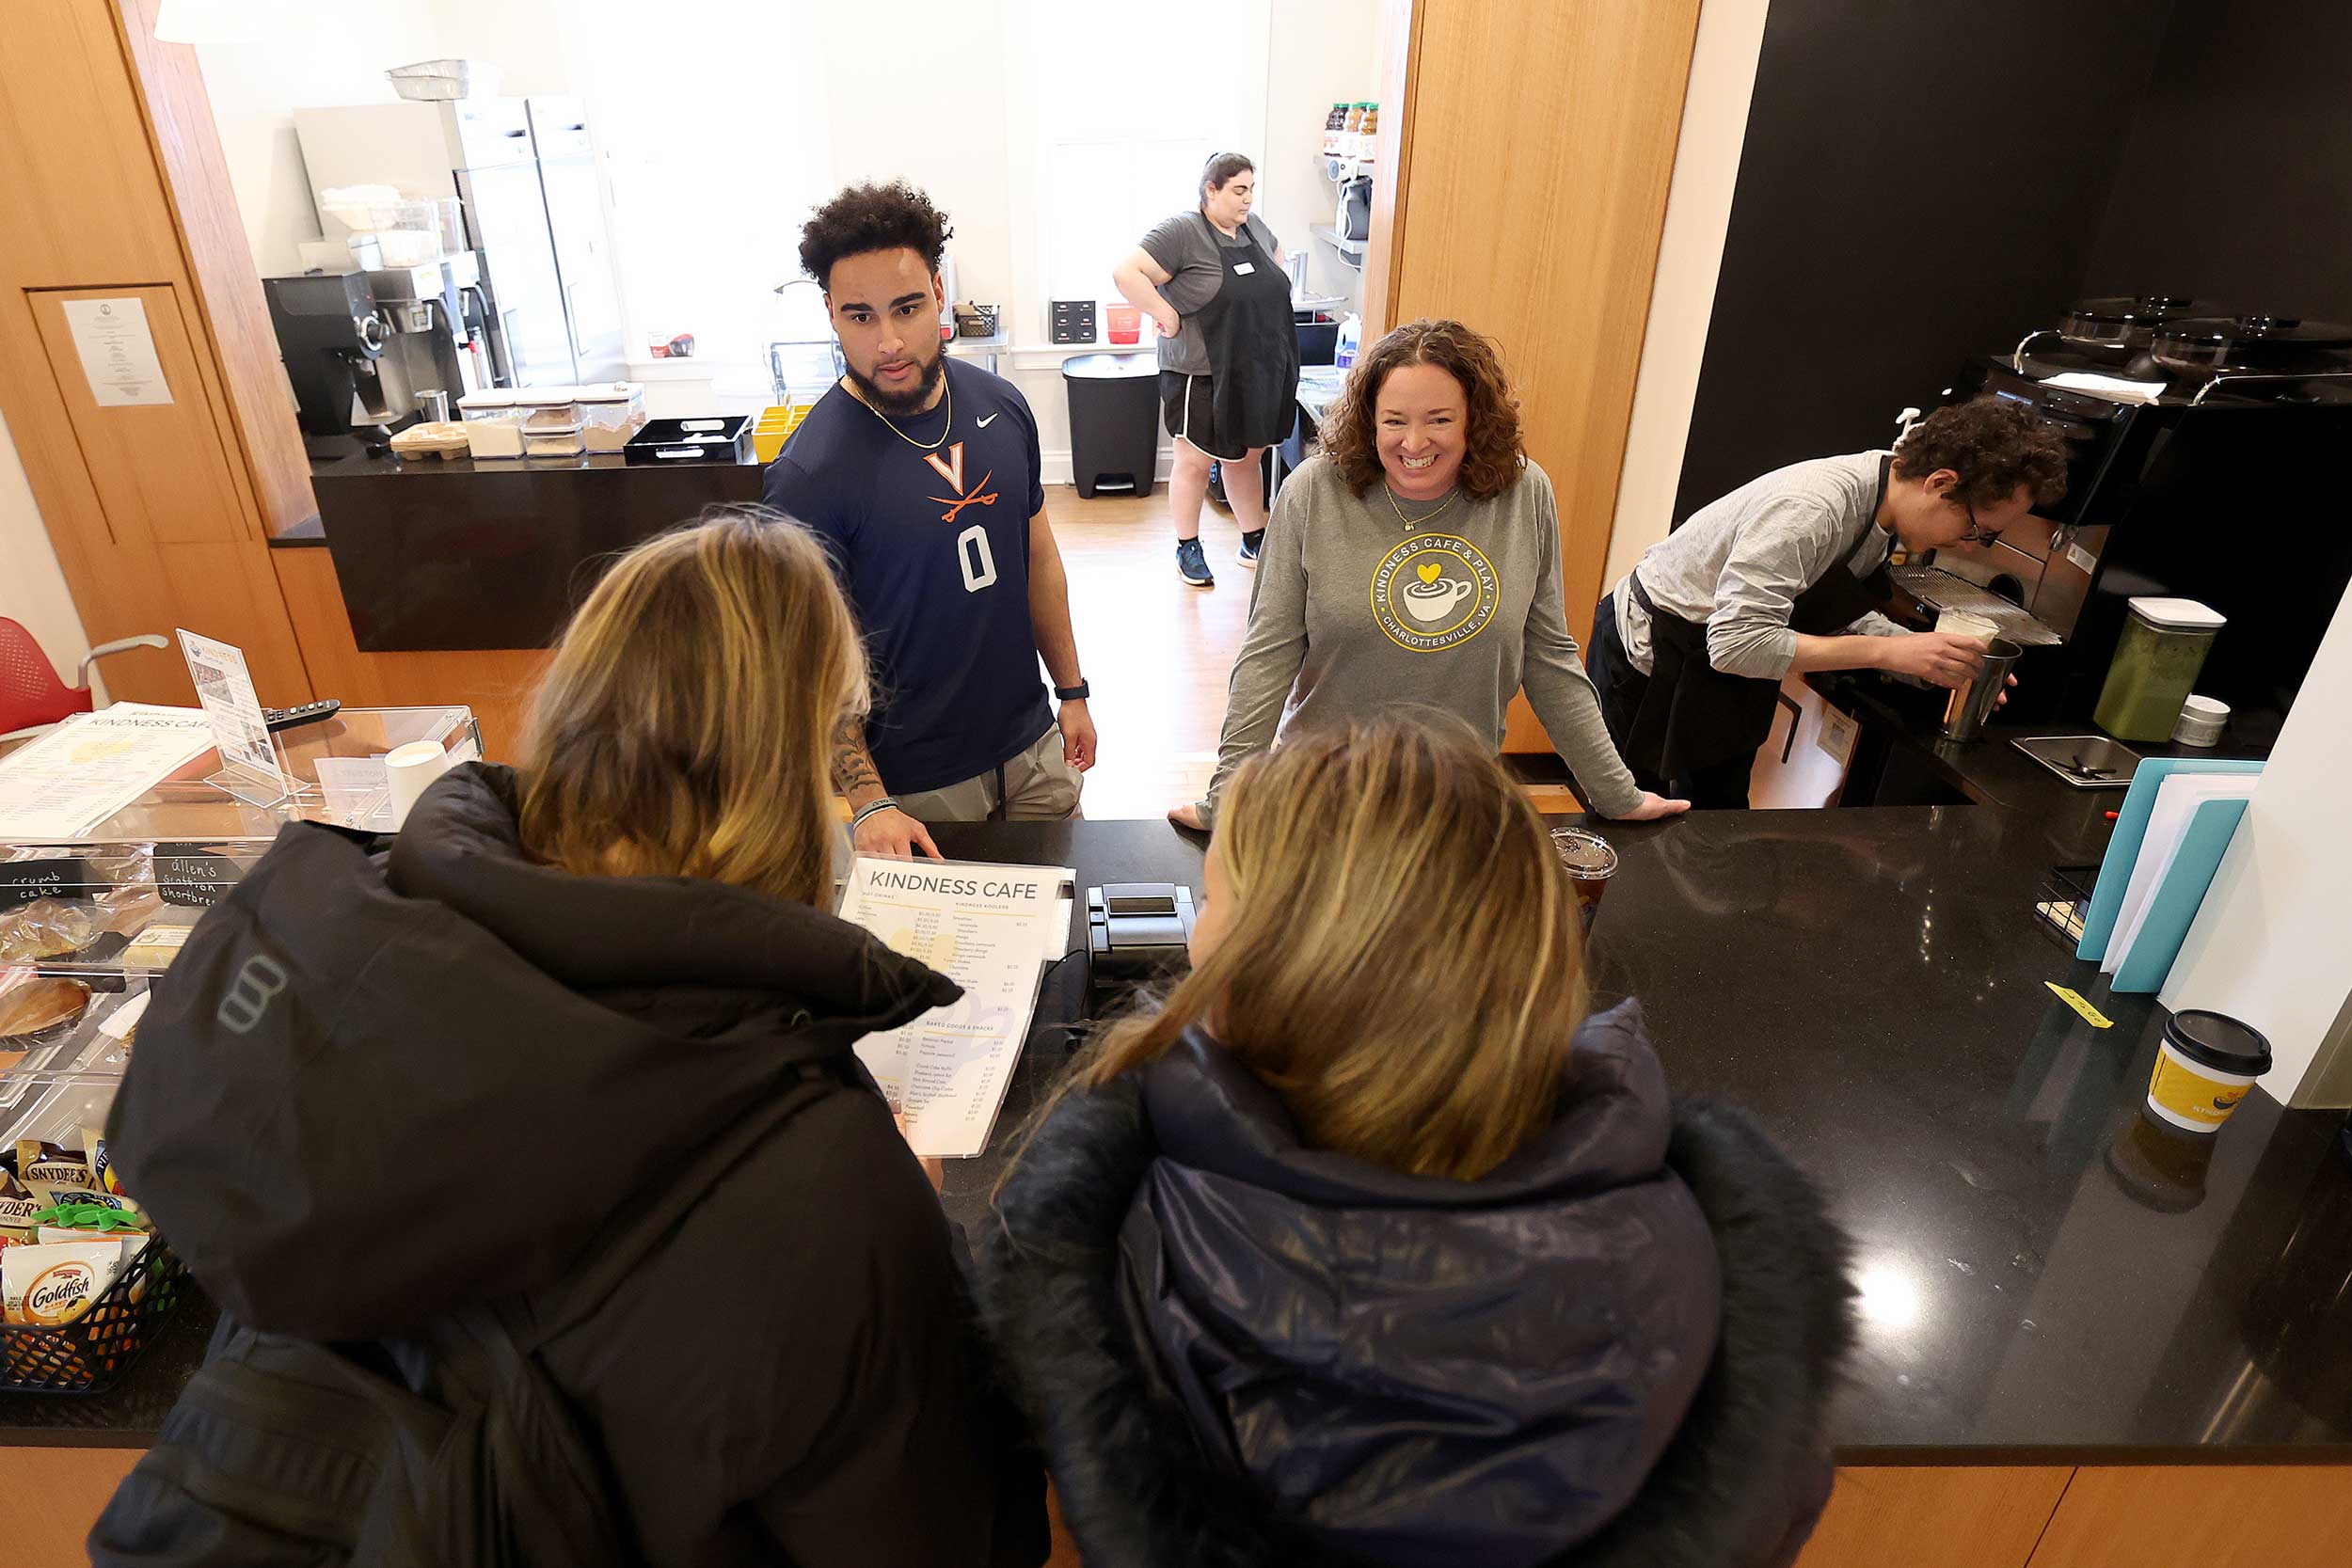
(2236, 180)
(1920, 181)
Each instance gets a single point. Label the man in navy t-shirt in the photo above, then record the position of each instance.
(921, 475)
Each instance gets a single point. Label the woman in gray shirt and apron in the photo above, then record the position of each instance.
(1214, 282)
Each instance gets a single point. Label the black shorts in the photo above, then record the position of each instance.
(1186, 410)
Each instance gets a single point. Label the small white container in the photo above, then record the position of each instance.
(2201, 721)
(552, 423)
(494, 423)
(610, 413)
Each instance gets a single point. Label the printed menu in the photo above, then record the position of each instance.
(92, 766)
(990, 929)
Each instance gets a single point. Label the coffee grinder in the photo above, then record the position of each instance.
(333, 337)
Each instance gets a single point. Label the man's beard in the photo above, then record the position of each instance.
(903, 403)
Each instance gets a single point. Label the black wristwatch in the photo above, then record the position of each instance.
(1077, 693)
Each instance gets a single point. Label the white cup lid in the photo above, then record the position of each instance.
(2205, 707)
(2178, 615)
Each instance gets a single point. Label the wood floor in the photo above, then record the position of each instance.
(1156, 652)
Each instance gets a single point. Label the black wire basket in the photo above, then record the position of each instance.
(88, 1355)
(2063, 902)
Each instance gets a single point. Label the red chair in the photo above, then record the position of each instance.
(32, 698)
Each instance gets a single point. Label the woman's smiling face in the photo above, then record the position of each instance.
(1421, 427)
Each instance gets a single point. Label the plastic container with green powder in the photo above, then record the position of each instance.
(2157, 662)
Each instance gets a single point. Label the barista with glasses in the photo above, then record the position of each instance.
(1786, 573)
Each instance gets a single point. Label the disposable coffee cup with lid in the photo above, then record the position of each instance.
(2205, 1065)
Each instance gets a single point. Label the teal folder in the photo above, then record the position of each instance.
(2173, 906)
(2131, 827)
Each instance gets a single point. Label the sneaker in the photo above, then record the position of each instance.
(1192, 565)
(1250, 542)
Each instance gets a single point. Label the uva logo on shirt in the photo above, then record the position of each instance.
(974, 558)
(950, 469)
(1434, 592)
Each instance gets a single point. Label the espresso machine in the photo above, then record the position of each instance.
(332, 337)
(2201, 445)
(436, 321)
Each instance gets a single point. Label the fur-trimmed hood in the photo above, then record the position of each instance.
(1239, 1352)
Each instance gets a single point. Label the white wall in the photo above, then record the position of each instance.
(2272, 943)
(32, 590)
(1323, 52)
(261, 60)
(1690, 254)
(791, 99)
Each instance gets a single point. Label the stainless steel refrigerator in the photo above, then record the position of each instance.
(525, 172)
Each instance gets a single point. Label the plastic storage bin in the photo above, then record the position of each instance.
(494, 423)
(552, 423)
(2156, 663)
(610, 413)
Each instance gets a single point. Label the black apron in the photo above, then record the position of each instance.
(1695, 716)
(1253, 348)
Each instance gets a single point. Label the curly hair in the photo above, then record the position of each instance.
(1492, 463)
(1993, 444)
(873, 217)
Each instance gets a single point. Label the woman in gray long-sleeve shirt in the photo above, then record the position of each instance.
(1415, 561)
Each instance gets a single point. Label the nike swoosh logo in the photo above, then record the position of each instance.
(984, 422)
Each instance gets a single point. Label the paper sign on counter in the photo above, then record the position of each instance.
(117, 352)
(986, 928)
(240, 728)
(92, 766)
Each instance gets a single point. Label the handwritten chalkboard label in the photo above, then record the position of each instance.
(21, 881)
(193, 877)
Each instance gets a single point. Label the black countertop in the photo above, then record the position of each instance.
(1871, 982)
(442, 555)
(1992, 772)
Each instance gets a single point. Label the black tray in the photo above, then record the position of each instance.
(721, 438)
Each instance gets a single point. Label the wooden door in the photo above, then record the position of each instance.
(1534, 155)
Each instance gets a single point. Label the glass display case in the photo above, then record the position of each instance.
(334, 770)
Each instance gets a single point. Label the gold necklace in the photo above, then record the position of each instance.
(1424, 520)
(947, 392)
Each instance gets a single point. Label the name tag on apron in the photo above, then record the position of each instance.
(1246, 268)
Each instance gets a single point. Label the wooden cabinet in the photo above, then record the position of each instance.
(1936, 1516)
(114, 186)
(2216, 1516)
(1522, 192)
(54, 1496)
(2203, 1517)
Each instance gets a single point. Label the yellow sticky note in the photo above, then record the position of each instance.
(2092, 1015)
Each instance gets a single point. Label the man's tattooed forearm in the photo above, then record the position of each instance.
(852, 767)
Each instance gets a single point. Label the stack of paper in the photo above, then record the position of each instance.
(92, 766)
(990, 929)
(2170, 835)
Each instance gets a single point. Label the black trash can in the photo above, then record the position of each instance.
(1114, 421)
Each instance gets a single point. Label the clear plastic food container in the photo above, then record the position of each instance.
(494, 423)
(610, 413)
(551, 423)
(2157, 662)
